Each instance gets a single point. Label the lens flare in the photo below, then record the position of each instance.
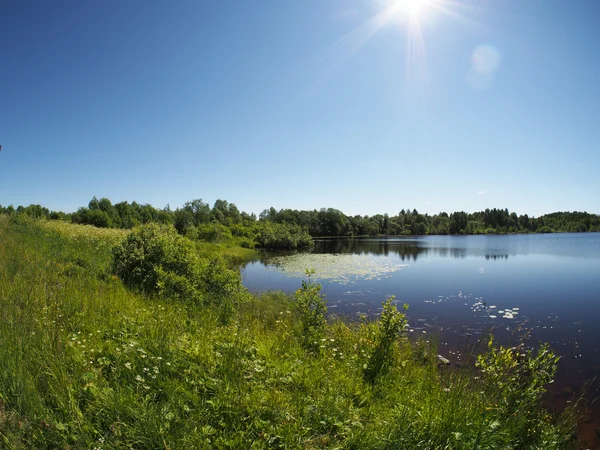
(485, 62)
(416, 19)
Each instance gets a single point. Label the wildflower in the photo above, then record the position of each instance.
(139, 378)
(128, 365)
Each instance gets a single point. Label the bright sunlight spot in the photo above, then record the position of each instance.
(414, 8)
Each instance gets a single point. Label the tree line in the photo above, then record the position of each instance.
(287, 228)
(332, 222)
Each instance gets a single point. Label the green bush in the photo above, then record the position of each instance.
(241, 231)
(213, 232)
(389, 329)
(310, 308)
(282, 236)
(156, 260)
(222, 287)
(521, 375)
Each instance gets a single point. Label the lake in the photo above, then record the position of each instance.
(459, 287)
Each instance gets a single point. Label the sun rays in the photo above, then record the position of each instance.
(415, 19)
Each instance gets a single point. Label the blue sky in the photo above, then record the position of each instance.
(367, 106)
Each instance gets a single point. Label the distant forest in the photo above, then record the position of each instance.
(287, 228)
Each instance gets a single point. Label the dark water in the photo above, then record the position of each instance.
(451, 283)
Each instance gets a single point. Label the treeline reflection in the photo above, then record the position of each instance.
(405, 250)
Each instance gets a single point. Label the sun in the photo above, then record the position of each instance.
(415, 7)
(412, 8)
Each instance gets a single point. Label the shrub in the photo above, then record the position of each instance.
(389, 328)
(241, 231)
(282, 236)
(515, 379)
(310, 308)
(213, 232)
(156, 260)
(521, 374)
(222, 287)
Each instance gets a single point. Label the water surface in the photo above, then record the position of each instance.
(458, 287)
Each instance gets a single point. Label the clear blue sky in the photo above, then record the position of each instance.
(368, 106)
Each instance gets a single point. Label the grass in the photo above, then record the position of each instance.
(85, 363)
(235, 256)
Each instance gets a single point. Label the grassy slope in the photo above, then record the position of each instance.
(84, 363)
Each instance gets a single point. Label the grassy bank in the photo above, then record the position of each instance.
(88, 363)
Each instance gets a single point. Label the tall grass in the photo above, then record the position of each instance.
(85, 363)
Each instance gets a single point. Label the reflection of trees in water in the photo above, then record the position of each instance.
(496, 257)
(406, 250)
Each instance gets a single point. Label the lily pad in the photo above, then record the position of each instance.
(338, 268)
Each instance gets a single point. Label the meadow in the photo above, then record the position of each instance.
(101, 352)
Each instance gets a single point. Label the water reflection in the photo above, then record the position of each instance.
(406, 249)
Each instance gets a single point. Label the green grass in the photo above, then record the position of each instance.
(85, 363)
(235, 256)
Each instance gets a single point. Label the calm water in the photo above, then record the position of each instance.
(460, 286)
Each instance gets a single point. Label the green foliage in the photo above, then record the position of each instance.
(213, 232)
(222, 288)
(192, 214)
(156, 260)
(310, 307)
(281, 236)
(544, 229)
(291, 229)
(34, 211)
(331, 222)
(389, 329)
(521, 375)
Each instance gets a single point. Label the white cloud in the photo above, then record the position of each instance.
(480, 193)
